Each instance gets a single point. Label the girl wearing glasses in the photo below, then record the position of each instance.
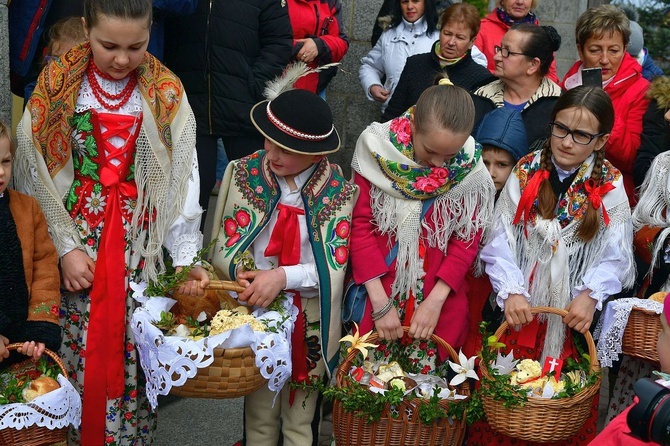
(563, 235)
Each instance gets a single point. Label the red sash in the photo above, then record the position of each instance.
(104, 373)
(285, 244)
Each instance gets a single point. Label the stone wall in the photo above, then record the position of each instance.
(5, 93)
(351, 109)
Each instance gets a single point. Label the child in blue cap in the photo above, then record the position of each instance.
(502, 135)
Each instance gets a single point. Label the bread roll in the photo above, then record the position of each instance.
(39, 387)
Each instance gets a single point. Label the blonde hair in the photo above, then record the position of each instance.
(533, 5)
(6, 133)
(445, 105)
(600, 21)
(69, 29)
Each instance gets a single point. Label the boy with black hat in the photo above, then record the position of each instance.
(291, 209)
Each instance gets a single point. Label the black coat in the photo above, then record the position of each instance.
(224, 54)
(420, 72)
(655, 140)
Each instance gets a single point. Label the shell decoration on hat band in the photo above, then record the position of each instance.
(293, 132)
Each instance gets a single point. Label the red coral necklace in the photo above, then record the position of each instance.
(101, 95)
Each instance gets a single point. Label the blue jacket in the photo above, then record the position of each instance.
(649, 69)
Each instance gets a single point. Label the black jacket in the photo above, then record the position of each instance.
(224, 54)
(655, 140)
(420, 72)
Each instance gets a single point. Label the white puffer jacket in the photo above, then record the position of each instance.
(388, 56)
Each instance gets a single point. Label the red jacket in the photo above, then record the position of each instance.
(617, 433)
(627, 91)
(321, 21)
(491, 33)
(368, 252)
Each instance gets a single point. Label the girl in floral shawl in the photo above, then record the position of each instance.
(424, 162)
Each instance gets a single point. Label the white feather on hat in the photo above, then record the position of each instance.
(291, 74)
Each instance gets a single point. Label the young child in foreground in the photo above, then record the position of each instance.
(562, 238)
(422, 178)
(107, 146)
(291, 209)
(29, 279)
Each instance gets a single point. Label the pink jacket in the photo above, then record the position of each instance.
(368, 252)
(627, 91)
(491, 33)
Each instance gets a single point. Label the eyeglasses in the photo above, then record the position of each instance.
(505, 52)
(583, 138)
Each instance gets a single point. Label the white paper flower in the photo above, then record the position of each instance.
(505, 364)
(182, 330)
(201, 317)
(464, 370)
(138, 291)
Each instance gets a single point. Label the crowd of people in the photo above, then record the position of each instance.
(487, 187)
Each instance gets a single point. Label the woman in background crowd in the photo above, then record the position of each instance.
(450, 56)
(412, 30)
(602, 36)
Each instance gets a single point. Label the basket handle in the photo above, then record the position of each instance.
(49, 353)
(344, 368)
(226, 285)
(559, 312)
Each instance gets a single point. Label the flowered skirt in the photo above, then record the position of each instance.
(130, 420)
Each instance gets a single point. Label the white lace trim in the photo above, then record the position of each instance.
(185, 248)
(87, 100)
(612, 323)
(507, 290)
(169, 361)
(54, 410)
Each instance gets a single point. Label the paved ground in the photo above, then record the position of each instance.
(205, 422)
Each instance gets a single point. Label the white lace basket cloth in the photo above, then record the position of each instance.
(54, 410)
(169, 361)
(612, 324)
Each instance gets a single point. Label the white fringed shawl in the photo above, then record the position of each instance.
(461, 212)
(554, 259)
(652, 208)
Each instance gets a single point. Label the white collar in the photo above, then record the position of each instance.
(299, 179)
(416, 28)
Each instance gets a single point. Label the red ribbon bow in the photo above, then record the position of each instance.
(285, 244)
(530, 194)
(595, 195)
(285, 239)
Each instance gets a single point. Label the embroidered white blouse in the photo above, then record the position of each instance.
(603, 279)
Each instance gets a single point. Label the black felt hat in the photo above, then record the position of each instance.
(298, 121)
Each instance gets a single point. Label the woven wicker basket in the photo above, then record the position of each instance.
(405, 430)
(543, 420)
(641, 334)
(232, 374)
(34, 435)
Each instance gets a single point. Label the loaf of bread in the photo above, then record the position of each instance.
(39, 387)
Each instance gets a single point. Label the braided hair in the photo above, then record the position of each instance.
(597, 102)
